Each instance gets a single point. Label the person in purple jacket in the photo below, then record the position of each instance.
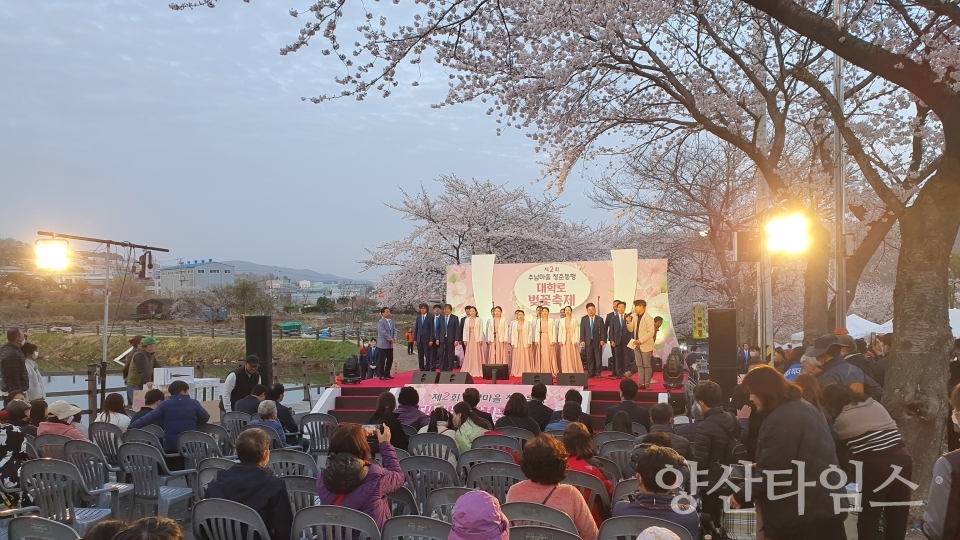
(352, 480)
(408, 412)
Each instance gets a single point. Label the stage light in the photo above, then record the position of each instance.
(52, 254)
(787, 234)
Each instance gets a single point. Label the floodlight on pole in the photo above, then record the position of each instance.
(787, 234)
(52, 254)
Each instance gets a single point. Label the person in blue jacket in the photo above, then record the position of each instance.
(178, 414)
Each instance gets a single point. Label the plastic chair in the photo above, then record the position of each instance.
(415, 527)
(233, 422)
(38, 528)
(424, 474)
(402, 503)
(204, 477)
(54, 484)
(145, 437)
(31, 451)
(520, 434)
(219, 434)
(610, 469)
(292, 463)
(108, 437)
(539, 515)
(629, 527)
(216, 463)
(95, 471)
(144, 464)
(481, 455)
(51, 446)
(618, 452)
(196, 446)
(401, 453)
(440, 502)
(529, 532)
(495, 478)
(624, 488)
(607, 436)
(302, 492)
(434, 445)
(498, 442)
(638, 428)
(155, 429)
(220, 519)
(590, 487)
(317, 428)
(334, 522)
(410, 431)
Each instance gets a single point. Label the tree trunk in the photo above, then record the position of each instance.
(916, 390)
(856, 264)
(815, 285)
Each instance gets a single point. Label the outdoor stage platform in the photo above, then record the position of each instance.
(357, 401)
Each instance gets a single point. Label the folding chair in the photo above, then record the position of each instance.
(402, 503)
(292, 462)
(317, 428)
(495, 478)
(302, 492)
(481, 455)
(144, 464)
(55, 486)
(424, 474)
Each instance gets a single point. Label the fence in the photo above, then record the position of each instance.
(171, 330)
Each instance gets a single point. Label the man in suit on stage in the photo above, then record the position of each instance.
(423, 335)
(618, 336)
(434, 361)
(608, 323)
(447, 334)
(592, 336)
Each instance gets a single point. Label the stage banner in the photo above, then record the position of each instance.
(558, 284)
(493, 397)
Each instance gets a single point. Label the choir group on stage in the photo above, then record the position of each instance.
(541, 345)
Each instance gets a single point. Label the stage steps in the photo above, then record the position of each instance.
(356, 403)
(601, 399)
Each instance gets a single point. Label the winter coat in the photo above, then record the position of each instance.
(709, 442)
(411, 416)
(36, 390)
(370, 495)
(838, 371)
(465, 435)
(941, 520)
(141, 368)
(256, 487)
(13, 365)
(522, 422)
(680, 444)
(398, 437)
(177, 414)
(56, 428)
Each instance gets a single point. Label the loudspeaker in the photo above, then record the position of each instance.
(537, 378)
(258, 331)
(726, 377)
(450, 377)
(424, 377)
(656, 363)
(572, 379)
(722, 326)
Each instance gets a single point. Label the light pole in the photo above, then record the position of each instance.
(785, 234)
(840, 239)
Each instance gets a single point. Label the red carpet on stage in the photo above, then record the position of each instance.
(604, 384)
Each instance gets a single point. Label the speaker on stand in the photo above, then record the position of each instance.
(258, 331)
(722, 326)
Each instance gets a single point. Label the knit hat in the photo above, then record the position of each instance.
(657, 533)
(477, 516)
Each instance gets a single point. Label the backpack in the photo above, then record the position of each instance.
(734, 452)
(344, 473)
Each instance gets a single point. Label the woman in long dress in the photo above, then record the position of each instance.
(521, 354)
(497, 337)
(472, 344)
(545, 339)
(568, 334)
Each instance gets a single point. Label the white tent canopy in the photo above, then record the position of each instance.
(857, 326)
(954, 315)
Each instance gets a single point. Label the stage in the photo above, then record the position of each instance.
(603, 384)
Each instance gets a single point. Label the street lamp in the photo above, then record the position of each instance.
(52, 254)
(787, 234)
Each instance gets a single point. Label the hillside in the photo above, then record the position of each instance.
(294, 274)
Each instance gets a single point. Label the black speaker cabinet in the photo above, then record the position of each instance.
(424, 377)
(726, 377)
(459, 377)
(572, 379)
(258, 331)
(537, 378)
(722, 326)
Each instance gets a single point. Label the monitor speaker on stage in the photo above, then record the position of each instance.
(424, 377)
(497, 372)
(258, 331)
(537, 378)
(459, 377)
(722, 325)
(572, 379)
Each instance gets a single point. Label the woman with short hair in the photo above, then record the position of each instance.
(408, 411)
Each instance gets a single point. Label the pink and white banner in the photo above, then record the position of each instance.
(493, 397)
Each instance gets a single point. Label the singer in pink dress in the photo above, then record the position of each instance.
(521, 352)
(568, 334)
(545, 339)
(497, 338)
(472, 344)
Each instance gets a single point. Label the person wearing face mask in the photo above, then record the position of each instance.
(13, 364)
(941, 520)
(60, 421)
(36, 389)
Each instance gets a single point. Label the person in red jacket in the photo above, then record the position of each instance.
(581, 450)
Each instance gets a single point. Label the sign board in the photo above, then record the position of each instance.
(493, 397)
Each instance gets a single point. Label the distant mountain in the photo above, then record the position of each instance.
(279, 272)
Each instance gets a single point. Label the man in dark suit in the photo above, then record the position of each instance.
(608, 323)
(538, 411)
(618, 336)
(576, 397)
(743, 358)
(284, 414)
(638, 414)
(592, 336)
(447, 333)
(434, 361)
(250, 403)
(423, 335)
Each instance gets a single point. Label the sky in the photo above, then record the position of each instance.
(129, 121)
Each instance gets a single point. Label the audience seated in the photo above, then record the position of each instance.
(18, 414)
(472, 396)
(469, 425)
(284, 414)
(252, 484)
(386, 405)
(12, 451)
(622, 423)
(440, 422)
(150, 401)
(249, 404)
(628, 392)
(516, 414)
(571, 413)
(352, 480)
(580, 449)
(114, 412)
(178, 414)
(574, 395)
(408, 411)
(661, 420)
(105, 530)
(477, 516)
(268, 417)
(544, 463)
(656, 500)
(60, 421)
(538, 411)
(38, 412)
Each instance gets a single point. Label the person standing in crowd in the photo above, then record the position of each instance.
(469, 425)
(544, 462)
(743, 358)
(884, 344)
(941, 519)
(609, 321)
(150, 401)
(253, 484)
(408, 410)
(538, 411)
(471, 336)
(641, 331)
(353, 480)
(655, 499)
(423, 335)
(521, 340)
(434, 360)
(144, 361)
(386, 415)
(251, 403)
(545, 339)
(618, 336)
(592, 332)
(178, 414)
(60, 421)
(872, 438)
(497, 337)
(794, 364)
(472, 396)
(135, 345)
(638, 413)
(516, 414)
(386, 337)
(240, 382)
(36, 389)
(793, 432)
(114, 412)
(477, 516)
(849, 352)
(709, 442)
(581, 450)
(409, 337)
(13, 365)
(568, 335)
(833, 368)
(449, 327)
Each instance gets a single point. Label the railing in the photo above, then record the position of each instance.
(175, 330)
